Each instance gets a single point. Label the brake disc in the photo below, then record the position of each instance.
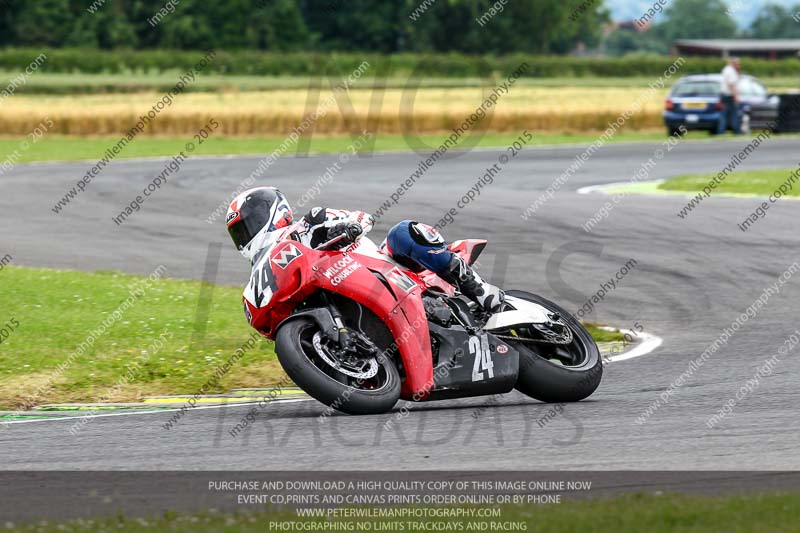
(337, 365)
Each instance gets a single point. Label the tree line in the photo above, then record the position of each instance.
(383, 26)
(493, 27)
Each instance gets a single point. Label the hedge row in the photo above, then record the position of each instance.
(247, 62)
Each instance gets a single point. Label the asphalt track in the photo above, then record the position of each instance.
(693, 277)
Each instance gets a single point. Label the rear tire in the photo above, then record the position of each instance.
(550, 382)
(325, 388)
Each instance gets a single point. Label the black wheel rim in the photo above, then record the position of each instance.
(379, 381)
(572, 354)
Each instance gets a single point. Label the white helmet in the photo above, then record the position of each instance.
(255, 217)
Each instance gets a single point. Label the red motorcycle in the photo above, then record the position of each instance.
(357, 331)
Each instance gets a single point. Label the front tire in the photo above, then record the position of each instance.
(333, 389)
(548, 381)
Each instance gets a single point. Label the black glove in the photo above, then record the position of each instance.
(351, 230)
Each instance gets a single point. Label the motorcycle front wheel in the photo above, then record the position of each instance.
(357, 386)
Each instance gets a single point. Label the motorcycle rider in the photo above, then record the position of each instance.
(258, 219)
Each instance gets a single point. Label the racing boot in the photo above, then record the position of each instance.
(472, 286)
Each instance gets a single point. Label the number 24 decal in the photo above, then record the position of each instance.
(479, 348)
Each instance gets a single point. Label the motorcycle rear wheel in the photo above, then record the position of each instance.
(544, 377)
(296, 353)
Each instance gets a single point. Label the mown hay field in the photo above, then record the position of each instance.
(391, 111)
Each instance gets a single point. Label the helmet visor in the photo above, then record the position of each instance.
(243, 231)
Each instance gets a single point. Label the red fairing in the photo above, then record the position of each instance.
(298, 271)
(469, 249)
(295, 272)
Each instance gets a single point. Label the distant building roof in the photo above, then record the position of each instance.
(633, 25)
(772, 48)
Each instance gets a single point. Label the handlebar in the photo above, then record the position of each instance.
(336, 239)
(351, 232)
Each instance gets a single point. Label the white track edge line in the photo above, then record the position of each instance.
(602, 188)
(649, 343)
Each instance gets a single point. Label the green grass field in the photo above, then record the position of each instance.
(636, 513)
(49, 313)
(57, 310)
(754, 182)
(62, 83)
(66, 148)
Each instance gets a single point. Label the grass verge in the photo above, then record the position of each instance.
(753, 182)
(57, 310)
(602, 335)
(623, 514)
(49, 313)
(68, 148)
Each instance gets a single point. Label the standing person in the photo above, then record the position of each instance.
(729, 90)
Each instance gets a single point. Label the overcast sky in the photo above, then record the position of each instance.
(743, 11)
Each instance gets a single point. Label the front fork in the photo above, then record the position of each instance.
(345, 337)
